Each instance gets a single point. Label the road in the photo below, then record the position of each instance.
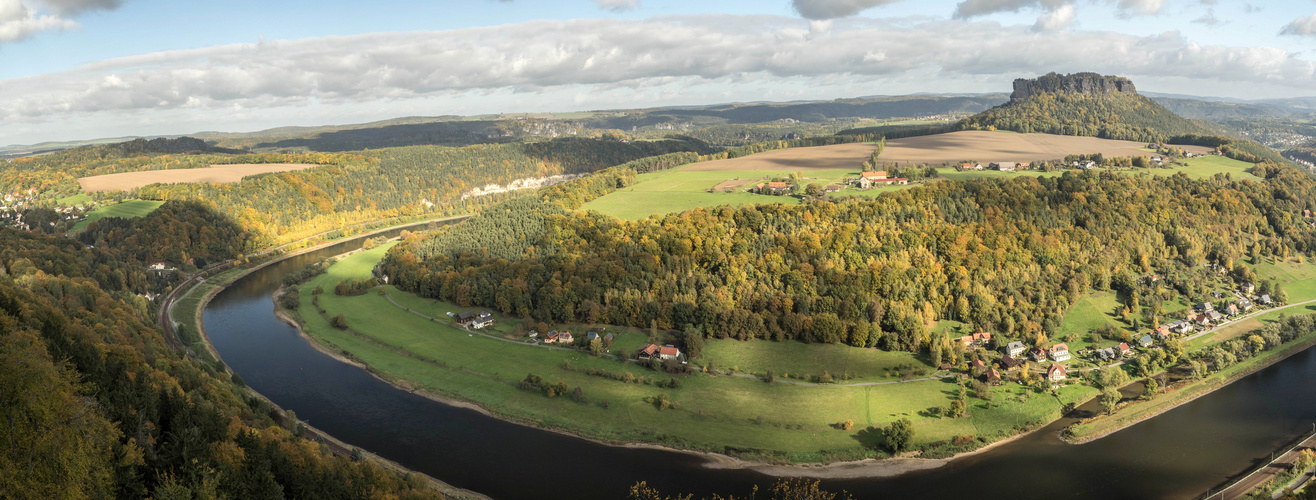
(1279, 465)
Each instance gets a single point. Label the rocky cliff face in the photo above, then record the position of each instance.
(1080, 83)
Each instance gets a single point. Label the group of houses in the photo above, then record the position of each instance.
(475, 320)
(878, 178)
(1003, 166)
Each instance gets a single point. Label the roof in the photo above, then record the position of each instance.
(669, 350)
(465, 315)
(1015, 343)
(776, 185)
(648, 350)
(1146, 339)
(1059, 348)
(1009, 361)
(1123, 346)
(1056, 368)
(982, 336)
(873, 175)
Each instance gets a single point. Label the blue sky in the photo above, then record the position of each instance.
(79, 69)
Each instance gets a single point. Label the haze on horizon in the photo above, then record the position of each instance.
(82, 69)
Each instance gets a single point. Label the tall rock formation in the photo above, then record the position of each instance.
(1080, 83)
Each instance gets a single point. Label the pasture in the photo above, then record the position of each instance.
(215, 173)
(127, 210)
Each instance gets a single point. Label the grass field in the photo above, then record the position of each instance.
(128, 209)
(716, 413)
(797, 360)
(77, 199)
(1207, 166)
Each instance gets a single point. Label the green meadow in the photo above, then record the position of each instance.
(128, 209)
(744, 415)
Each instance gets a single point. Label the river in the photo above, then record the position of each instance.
(1179, 454)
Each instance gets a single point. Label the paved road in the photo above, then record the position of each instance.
(1280, 465)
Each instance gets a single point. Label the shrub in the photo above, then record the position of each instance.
(339, 322)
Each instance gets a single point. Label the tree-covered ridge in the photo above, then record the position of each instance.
(94, 404)
(179, 232)
(394, 182)
(1119, 116)
(1006, 255)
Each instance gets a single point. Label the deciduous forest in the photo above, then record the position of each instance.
(1007, 255)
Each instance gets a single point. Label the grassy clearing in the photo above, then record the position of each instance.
(77, 199)
(1207, 166)
(725, 414)
(128, 209)
(797, 360)
(1298, 279)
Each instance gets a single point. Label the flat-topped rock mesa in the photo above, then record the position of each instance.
(1079, 83)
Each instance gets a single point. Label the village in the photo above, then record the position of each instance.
(994, 363)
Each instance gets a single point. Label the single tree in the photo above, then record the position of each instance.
(899, 435)
(1110, 398)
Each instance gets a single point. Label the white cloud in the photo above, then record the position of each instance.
(1140, 7)
(1302, 26)
(21, 19)
(618, 5)
(833, 9)
(19, 22)
(1056, 19)
(681, 56)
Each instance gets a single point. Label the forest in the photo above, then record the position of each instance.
(394, 182)
(94, 404)
(1008, 256)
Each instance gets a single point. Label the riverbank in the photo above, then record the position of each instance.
(1140, 411)
(336, 446)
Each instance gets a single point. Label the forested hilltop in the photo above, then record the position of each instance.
(1009, 256)
(94, 404)
(1084, 104)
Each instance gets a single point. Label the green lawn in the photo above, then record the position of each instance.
(1297, 279)
(797, 360)
(1207, 166)
(78, 199)
(128, 209)
(716, 413)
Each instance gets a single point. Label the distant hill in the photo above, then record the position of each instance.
(1084, 104)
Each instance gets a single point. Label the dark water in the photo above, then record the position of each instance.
(1177, 455)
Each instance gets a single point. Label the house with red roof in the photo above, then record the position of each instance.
(1056, 373)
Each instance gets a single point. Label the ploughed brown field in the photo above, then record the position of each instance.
(968, 145)
(983, 147)
(215, 173)
(818, 157)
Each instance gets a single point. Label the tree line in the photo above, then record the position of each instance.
(1009, 256)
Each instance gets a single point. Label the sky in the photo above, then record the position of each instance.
(84, 69)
